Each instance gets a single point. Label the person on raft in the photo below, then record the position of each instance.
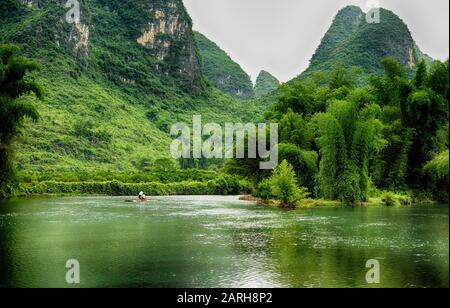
(142, 196)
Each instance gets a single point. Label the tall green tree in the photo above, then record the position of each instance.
(348, 139)
(438, 78)
(425, 111)
(304, 163)
(437, 176)
(414, 114)
(421, 76)
(15, 87)
(342, 77)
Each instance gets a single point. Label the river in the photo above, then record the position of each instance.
(218, 242)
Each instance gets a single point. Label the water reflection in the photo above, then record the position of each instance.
(218, 242)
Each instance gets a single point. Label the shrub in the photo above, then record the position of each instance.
(285, 187)
(437, 175)
(117, 188)
(389, 199)
(265, 190)
(405, 200)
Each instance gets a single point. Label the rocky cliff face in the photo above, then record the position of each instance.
(134, 41)
(168, 35)
(164, 27)
(115, 80)
(68, 21)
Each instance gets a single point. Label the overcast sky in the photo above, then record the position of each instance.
(280, 36)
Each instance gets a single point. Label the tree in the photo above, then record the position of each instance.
(342, 77)
(414, 115)
(347, 138)
(426, 112)
(393, 87)
(438, 78)
(421, 76)
(293, 129)
(285, 186)
(437, 175)
(15, 88)
(392, 68)
(297, 98)
(304, 163)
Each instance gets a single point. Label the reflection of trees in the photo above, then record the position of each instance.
(118, 247)
(6, 261)
(305, 251)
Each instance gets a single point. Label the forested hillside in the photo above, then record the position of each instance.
(349, 143)
(265, 84)
(222, 71)
(114, 82)
(369, 114)
(352, 42)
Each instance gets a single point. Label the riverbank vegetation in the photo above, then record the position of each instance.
(161, 177)
(282, 186)
(385, 141)
(222, 185)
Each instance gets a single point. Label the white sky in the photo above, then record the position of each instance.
(280, 36)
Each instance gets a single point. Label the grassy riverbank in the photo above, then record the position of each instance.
(387, 199)
(157, 182)
(220, 186)
(180, 182)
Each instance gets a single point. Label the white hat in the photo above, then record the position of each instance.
(141, 193)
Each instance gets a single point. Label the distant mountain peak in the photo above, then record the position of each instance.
(265, 83)
(352, 41)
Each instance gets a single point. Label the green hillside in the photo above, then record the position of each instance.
(353, 42)
(265, 84)
(115, 82)
(222, 71)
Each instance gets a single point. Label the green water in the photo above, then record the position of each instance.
(218, 242)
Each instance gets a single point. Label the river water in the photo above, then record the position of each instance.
(218, 242)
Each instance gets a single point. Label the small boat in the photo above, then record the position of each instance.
(136, 201)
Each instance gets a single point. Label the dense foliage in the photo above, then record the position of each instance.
(220, 185)
(283, 186)
(354, 42)
(110, 102)
(345, 142)
(15, 88)
(110, 109)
